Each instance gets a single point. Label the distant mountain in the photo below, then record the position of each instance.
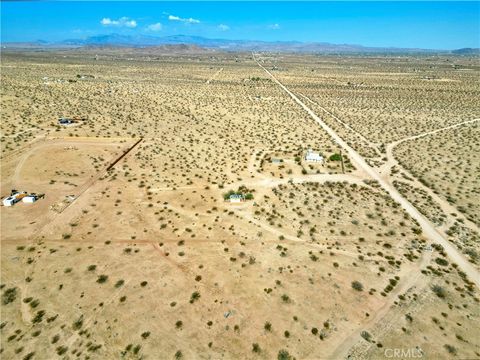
(224, 44)
(141, 41)
(467, 51)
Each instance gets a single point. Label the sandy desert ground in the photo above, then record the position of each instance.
(134, 253)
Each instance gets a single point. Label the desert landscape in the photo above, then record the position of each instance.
(200, 204)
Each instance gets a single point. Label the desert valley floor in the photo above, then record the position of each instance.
(136, 251)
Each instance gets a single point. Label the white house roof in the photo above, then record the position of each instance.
(311, 155)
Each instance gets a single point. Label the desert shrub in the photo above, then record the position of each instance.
(357, 285)
(284, 355)
(268, 326)
(451, 349)
(439, 291)
(335, 157)
(194, 297)
(119, 283)
(441, 261)
(9, 296)
(38, 317)
(77, 324)
(29, 356)
(55, 339)
(178, 355)
(256, 348)
(136, 349)
(102, 279)
(62, 350)
(366, 335)
(91, 267)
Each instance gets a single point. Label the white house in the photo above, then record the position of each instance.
(236, 198)
(312, 156)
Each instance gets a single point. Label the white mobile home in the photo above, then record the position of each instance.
(13, 198)
(312, 156)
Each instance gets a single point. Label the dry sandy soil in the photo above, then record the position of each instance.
(146, 260)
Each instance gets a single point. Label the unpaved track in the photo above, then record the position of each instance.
(393, 144)
(214, 76)
(20, 132)
(300, 179)
(293, 239)
(414, 282)
(446, 207)
(267, 182)
(367, 142)
(428, 228)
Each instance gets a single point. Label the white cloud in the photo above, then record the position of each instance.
(123, 21)
(185, 20)
(224, 27)
(274, 26)
(155, 27)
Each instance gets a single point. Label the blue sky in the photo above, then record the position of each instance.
(428, 24)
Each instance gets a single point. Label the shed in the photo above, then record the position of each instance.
(29, 199)
(65, 121)
(236, 198)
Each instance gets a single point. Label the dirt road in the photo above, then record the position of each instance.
(344, 124)
(428, 228)
(446, 207)
(214, 76)
(433, 132)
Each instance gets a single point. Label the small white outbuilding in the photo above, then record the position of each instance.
(236, 198)
(29, 199)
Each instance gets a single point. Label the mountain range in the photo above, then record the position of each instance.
(141, 41)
